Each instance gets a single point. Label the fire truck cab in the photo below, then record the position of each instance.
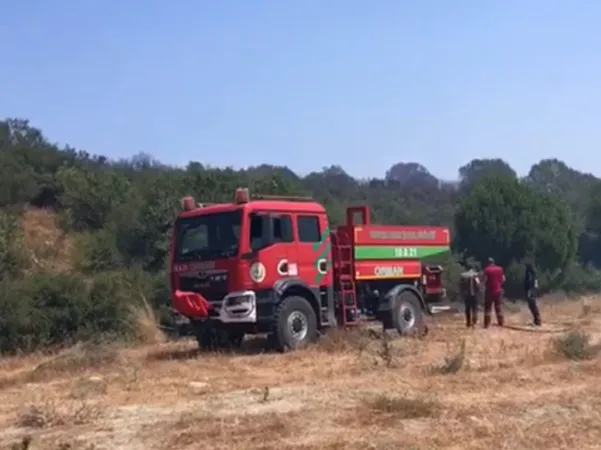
(273, 265)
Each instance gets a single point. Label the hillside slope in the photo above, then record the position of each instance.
(47, 247)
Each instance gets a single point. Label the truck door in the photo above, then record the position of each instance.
(274, 257)
(313, 249)
(284, 237)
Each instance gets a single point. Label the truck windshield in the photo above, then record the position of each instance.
(208, 236)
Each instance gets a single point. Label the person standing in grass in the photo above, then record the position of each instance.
(469, 288)
(530, 288)
(494, 277)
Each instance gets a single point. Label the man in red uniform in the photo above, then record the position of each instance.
(494, 277)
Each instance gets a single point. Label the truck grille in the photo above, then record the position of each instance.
(212, 287)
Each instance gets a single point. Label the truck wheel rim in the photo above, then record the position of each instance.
(297, 325)
(407, 317)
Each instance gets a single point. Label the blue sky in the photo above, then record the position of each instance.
(307, 84)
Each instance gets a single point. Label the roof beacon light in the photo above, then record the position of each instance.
(188, 203)
(242, 195)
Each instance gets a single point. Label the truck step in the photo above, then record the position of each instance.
(442, 309)
(325, 321)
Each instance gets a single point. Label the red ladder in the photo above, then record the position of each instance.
(344, 281)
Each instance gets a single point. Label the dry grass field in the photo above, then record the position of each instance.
(453, 389)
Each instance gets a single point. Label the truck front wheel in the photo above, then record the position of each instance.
(294, 324)
(407, 314)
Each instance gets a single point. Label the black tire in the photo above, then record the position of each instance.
(408, 314)
(293, 313)
(211, 338)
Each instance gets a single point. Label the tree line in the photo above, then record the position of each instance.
(118, 215)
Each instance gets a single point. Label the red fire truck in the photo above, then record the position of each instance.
(267, 264)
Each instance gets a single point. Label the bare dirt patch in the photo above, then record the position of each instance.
(48, 247)
(455, 389)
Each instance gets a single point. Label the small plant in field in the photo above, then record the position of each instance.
(23, 444)
(576, 345)
(49, 414)
(586, 309)
(340, 340)
(386, 351)
(452, 363)
(403, 407)
(265, 396)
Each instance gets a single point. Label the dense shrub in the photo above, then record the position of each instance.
(12, 257)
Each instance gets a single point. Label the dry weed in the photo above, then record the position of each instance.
(80, 357)
(23, 444)
(86, 388)
(452, 363)
(145, 324)
(54, 414)
(339, 340)
(400, 407)
(248, 431)
(576, 345)
(386, 352)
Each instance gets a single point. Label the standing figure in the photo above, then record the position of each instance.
(530, 287)
(469, 288)
(494, 277)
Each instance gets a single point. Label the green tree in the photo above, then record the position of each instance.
(505, 219)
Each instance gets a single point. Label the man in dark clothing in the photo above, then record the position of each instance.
(469, 288)
(530, 286)
(494, 277)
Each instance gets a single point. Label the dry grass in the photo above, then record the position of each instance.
(53, 414)
(145, 323)
(455, 389)
(576, 345)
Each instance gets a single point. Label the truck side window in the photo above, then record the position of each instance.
(256, 232)
(308, 229)
(282, 229)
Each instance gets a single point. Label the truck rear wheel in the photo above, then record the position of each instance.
(295, 324)
(407, 314)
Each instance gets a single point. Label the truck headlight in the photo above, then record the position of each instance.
(239, 304)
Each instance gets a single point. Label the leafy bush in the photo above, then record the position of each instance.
(48, 309)
(98, 252)
(12, 258)
(582, 279)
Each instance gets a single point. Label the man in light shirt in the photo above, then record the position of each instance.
(469, 288)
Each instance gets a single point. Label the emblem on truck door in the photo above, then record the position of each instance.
(286, 268)
(257, 272)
